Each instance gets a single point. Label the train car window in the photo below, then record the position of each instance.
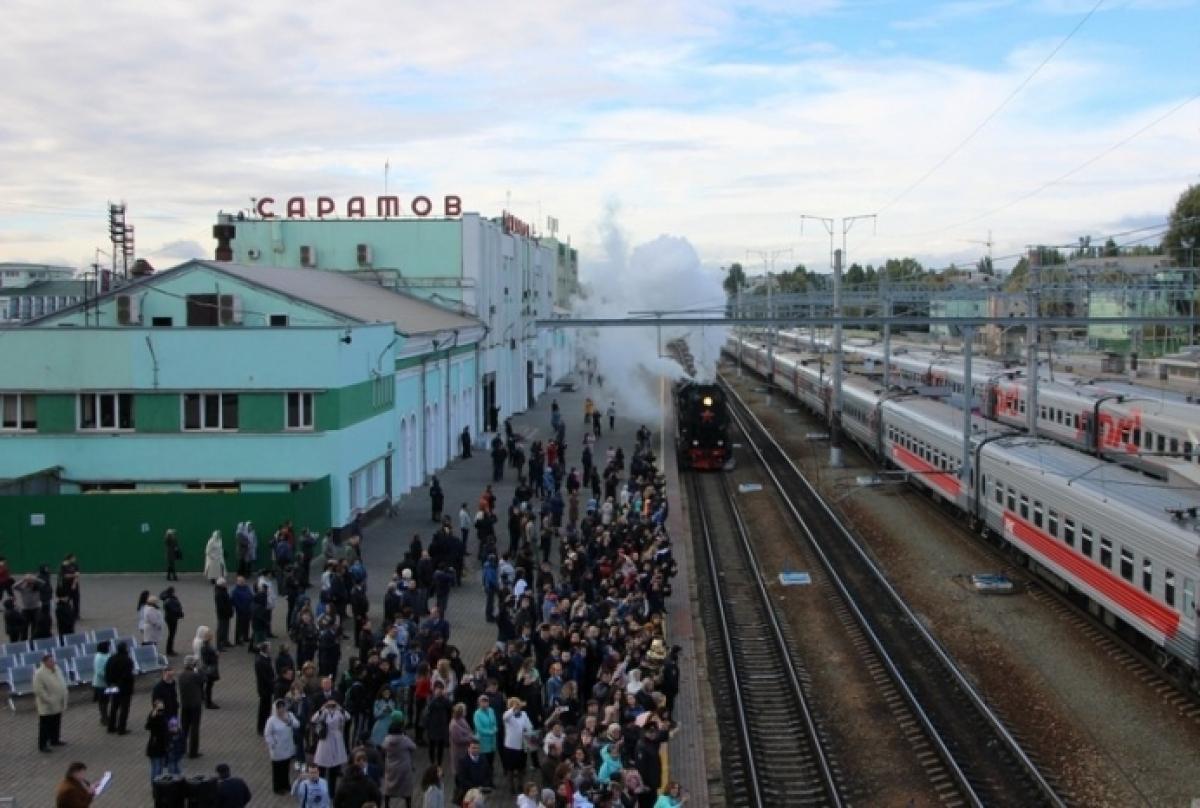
(1126, 564)
(1021, 406)
(1085, 541)
(1137, 436)
(1106, 551)
(1053, 522)
(1037, 513)
(999, 494)
(1147, 575)
(1187, 449)
(1149, 436)
(1069, 531)
(1169, 587)
(1042, 412)
(1124, 434)
(1174, 445)
(1162, 443)
(1024, 507)
(1075, 420)
(1189, 597)
(1012, 499)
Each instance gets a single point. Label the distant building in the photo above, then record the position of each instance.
(493, 269)
(33, 290)
(213, 393)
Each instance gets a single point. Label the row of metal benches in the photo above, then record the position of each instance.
(74, 653)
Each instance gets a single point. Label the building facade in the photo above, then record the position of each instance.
(492, 269)
(292, 392)
(34, 290)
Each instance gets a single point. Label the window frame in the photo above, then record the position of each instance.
(307, 421)
(96, 396)
(201, 411)
(25, 402)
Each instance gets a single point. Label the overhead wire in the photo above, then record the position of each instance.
(991, 115)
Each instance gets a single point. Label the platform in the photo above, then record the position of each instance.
(227, 735)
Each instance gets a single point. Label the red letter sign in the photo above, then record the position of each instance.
(421, 205)
(453, 206)
(356, 207)
(324, 206)
(295, 207)
(261, 207)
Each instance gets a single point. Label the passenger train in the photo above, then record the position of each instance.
(1098, 530)
(1153, 431)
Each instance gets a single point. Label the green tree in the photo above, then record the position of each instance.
(855, 275)
(1183, 236)
(903, 269)
(735, 279)
(984, 266)
(1110, 249)
(1018, 279)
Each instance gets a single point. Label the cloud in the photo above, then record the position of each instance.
(182, 249)
(950, 12)
(720, 122)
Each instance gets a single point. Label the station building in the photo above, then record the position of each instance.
(214, 393)
(493, 269)
(33, 290)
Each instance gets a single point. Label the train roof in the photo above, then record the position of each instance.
(943, 417)
(1131, 491)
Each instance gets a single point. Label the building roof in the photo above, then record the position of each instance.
(348, 296)
(46, 288)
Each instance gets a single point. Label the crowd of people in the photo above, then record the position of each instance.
(569, 707)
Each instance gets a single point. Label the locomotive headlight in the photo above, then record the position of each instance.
(707, 401)
(695, 443)
(720, 443)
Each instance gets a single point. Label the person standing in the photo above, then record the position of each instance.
(356, 789)
(516, 727)
(243, 604)
(153, 624)
(50, 693)
(28, 592)
(311, 790)
(232, 792)
(486, 728)
(74, 791)
(279, 734)
(68, 580)
(331, 746)
(612, 416)
(464, 525)
(437, 499)
(118, 673)
(64, 615)
(191, 704)
(224, 609)
(464, 440)
(264, 679)
(99, 683)
(173, 553)
(432, 795)
(214, 558)
(172, 613)
(398, 770)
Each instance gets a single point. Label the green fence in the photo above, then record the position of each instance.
(123, 532)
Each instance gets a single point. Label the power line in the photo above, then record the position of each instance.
(991, 115)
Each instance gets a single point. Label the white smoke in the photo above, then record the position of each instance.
(664, 274)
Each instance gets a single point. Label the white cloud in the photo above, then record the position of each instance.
(188, 109)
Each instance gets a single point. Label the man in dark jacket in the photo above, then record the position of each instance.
(166, 691)
(243, 603)
(471, 771)
(118, 672)
(224, 604)
(264, 678)
(172, 613)
(232, 792)
(356, 789)
(191, 704)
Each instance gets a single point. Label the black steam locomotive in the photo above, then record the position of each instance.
(702, 425)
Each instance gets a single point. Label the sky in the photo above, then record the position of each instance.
(722, 123)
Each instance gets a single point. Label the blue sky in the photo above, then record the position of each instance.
(720, 122)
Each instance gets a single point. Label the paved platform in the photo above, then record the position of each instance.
(227, 735)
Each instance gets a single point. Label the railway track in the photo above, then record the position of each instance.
(783, 755)
(987, 763)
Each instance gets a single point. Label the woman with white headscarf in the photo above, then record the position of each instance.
(214, 558)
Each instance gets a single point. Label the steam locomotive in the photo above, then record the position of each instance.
(702, 425)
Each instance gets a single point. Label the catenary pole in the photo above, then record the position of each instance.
(835, 416)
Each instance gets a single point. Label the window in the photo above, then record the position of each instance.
(999, 494)
(1169, 587)
(18, 411)
(1174, 446)
(1053, 523)
(210, 411)
(203, 310)
(1147, 575)
(1162, 443)
(1037, 513)
(1106, 555)
(1012, 499)
(1126, 564)
(1024, 507)
(1189, 597)
(162, 322)
(1085, 541)
(99, 411)
(299, 410)
(1069, 531)
(279, 320)
(382, 391)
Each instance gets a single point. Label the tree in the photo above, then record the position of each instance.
(1110, 249)
(984, 266)
(903, 269)
(855, 275)
(735, 279)
(1018, 279)
(1183, 236)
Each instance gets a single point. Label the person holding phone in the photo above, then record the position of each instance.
(74, 791)
(311, 790)
(331, 746)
